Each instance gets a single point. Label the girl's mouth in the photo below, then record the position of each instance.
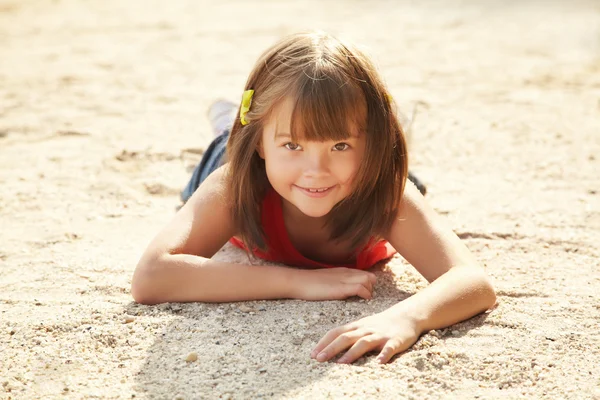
(316, 192)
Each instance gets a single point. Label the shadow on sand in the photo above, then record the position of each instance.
(255, 349)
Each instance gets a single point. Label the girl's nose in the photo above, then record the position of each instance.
(316, 163)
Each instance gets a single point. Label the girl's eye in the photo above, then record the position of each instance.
(292, 146)
(341, 146)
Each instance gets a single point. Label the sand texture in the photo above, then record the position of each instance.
(102, 117)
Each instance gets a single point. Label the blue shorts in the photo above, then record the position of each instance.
(211, 160)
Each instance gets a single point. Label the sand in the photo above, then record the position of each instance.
(102, 115)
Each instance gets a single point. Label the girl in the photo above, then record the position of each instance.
(315, 178)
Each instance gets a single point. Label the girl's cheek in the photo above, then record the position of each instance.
(281, 160)
(281, 167)
(346, 169)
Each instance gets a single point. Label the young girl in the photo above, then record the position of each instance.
(314, 178)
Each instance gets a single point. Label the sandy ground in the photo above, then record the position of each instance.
(102, 115)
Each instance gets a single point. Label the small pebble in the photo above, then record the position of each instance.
(297, 340)
(245, 308)
(455, 333)
(193, 356)
(128, 319)
(420, 364)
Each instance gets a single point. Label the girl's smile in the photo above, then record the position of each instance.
(316, 192)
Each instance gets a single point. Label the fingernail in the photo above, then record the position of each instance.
(322, 356)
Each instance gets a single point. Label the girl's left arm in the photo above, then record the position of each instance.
(459, 288)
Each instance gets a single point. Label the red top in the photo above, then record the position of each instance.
(281, 249)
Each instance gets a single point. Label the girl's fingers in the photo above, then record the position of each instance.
(362, 346)
(362, 280)
(369, 285)
(358, 276)
(372, 278)
(390, 349)
(330, 337)
(370, 281)
(340, 343)
(361, 291)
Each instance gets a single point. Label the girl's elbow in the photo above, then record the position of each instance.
(142, 287)
(487, 288)
(141, 294)
(481, 286)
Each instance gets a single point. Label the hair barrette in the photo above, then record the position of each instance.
(246, 102)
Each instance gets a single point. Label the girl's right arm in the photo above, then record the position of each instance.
(177, 265)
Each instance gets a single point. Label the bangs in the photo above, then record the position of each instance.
(328, 107)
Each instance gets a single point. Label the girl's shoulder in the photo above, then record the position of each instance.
(424, 238)
(202, 226)
(215, 186)
(209, 213)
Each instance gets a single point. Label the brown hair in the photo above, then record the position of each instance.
(332, 84)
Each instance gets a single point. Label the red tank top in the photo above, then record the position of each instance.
(281, 249)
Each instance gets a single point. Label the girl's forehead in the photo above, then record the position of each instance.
(280, 118)
(285, 121)
(283, 111)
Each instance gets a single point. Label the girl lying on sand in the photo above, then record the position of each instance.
(314, 177)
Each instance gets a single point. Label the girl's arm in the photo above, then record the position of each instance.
(186, 278)
(459, 288)
(176, 266)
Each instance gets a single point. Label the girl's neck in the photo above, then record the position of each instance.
(294, 216)
(311, 238)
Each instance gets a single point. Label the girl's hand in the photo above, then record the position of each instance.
(388, 332)
(332, 284)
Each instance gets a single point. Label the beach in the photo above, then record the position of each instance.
(103, 117)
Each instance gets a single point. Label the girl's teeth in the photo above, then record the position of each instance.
(317, 190)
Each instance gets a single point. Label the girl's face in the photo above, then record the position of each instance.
(312, 176)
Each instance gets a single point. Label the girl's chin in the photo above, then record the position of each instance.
(313, 214)
(312, 210)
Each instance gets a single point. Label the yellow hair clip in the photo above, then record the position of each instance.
(246, 102)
